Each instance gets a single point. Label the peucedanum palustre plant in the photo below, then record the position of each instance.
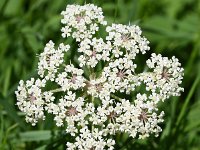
(93, 104)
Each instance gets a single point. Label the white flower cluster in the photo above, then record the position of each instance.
(166, 77)
(94, 98)
(50, 60)
(94, 50)
(128, 37)
(81, 22)
(30, 99)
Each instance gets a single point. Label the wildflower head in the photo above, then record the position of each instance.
(95, 101)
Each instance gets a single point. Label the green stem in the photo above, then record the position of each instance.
(116, 97)
(56, 90)
(106, 65)
(92, 123)
(7, 132)
(116, 9)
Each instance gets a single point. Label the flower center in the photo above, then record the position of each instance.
(112, 115)
(165, 75)
(71, 111)
(99, 87)
(31, 98)
(92, 148)
(94, 53)
(78, 18)
(121, 74)
(73, 78)
(125, 37)
(48, 56)
(143, 116)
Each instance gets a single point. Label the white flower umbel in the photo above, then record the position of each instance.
(128, 37)
(71, 78)
(30, 101)
(166, 77)
(94, 50)
(120, 74)
(50, 60)
(81, 21)
(93, 95)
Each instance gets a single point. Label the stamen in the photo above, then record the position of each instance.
(31, 98)
(125, 37)
(99, 87)
(92, 148)
(71, 111)
(48, 58)
(121, 74)
(73, 79)
(78, 18)
(94, 53)
(165, 75)
(143, 116)
(112, 115)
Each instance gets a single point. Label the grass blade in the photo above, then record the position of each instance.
(183, 110)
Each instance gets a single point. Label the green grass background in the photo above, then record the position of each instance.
(171, 26)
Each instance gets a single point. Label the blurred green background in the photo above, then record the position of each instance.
(171, 26)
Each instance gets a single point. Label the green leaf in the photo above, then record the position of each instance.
(12, 113)
(190, 23)
(2, 3)
(13, 7)
(166, 130)
(31, 38)
(1, 127)
(35, 135)
(6, 80)
(4, 40)
(41, 147)
(55, 6)
(188, 98)
(108, 6)
(37, 4)
(193, 118)
(166, 27)
(53, 23)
